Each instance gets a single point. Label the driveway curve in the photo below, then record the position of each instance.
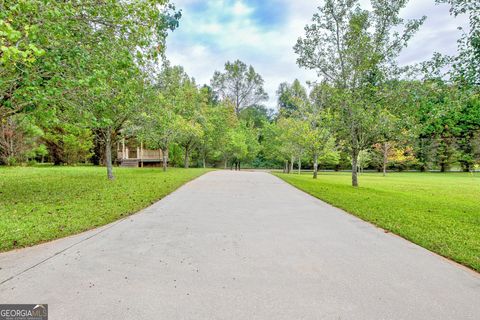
(239, 245)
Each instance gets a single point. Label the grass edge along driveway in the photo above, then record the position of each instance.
(438, 211)
(39, 204)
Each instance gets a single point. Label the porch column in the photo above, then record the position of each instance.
(141, 154)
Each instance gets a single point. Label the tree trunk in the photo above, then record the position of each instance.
(385, 158)
(165, 159)
(285, 167)
(315, 166)
(354, 168)
(466, 167)
(187, 163)
(443, 167)
(98, 157)
(225, 164)
(204, 162)
(299, 165)
(291, 164)
(108, 155)
(239, 168)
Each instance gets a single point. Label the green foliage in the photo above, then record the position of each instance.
(291, 97)
(257, 115)
(243, 143)
(77, 76)
(185, 119)
(353, 51)
(466, 66)
(240, 85)
(80, 57)
(20, 138)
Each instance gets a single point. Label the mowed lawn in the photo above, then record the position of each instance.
(44, 203)
(438, 211)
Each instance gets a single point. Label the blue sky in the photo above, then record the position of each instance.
(262, 33)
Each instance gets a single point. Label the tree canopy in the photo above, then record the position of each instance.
(79, 77)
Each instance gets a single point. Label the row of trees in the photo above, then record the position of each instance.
(72, 73)
(179, 114)
(365, 109)
(423, 125)
(78, 76)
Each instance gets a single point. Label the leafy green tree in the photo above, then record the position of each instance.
(68, 143)
(20, 137)
(318, 116)
(190, 134)
(256, 114)
(169, 104)
(158, 125)
(272, 146)
(217, 120)
(294, 143)
(291, 97)
(242, 145)
(466, 64)
(187, 102)
(80, 55)
(396, 121)
(239, 84)
(352, 49)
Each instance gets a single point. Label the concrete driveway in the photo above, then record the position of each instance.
(239, 245)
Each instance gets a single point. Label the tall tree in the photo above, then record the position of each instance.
(217, 119)
(188, 103)
(242, 143)
(292, 134)
(466, 81)
(316, 112)
(353, 49)
(158, 124)
(466, 64)
(80, 55)
(239, 84)
(290, 96)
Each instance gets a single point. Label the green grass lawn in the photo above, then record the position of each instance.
(438, 211)
(38, 204)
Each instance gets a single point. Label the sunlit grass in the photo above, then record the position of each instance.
(45, 203)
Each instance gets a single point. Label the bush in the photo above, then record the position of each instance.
(11, 161)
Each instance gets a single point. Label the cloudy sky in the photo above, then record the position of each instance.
(263, 32)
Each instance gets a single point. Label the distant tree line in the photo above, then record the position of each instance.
(77, 77)
(367, 112)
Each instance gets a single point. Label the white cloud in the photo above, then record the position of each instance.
(240, 9)
(227, 30)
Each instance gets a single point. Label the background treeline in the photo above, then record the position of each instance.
(79, 76)
(72, 73)
(366, 111)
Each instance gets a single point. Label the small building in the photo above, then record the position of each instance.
(131, 153)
